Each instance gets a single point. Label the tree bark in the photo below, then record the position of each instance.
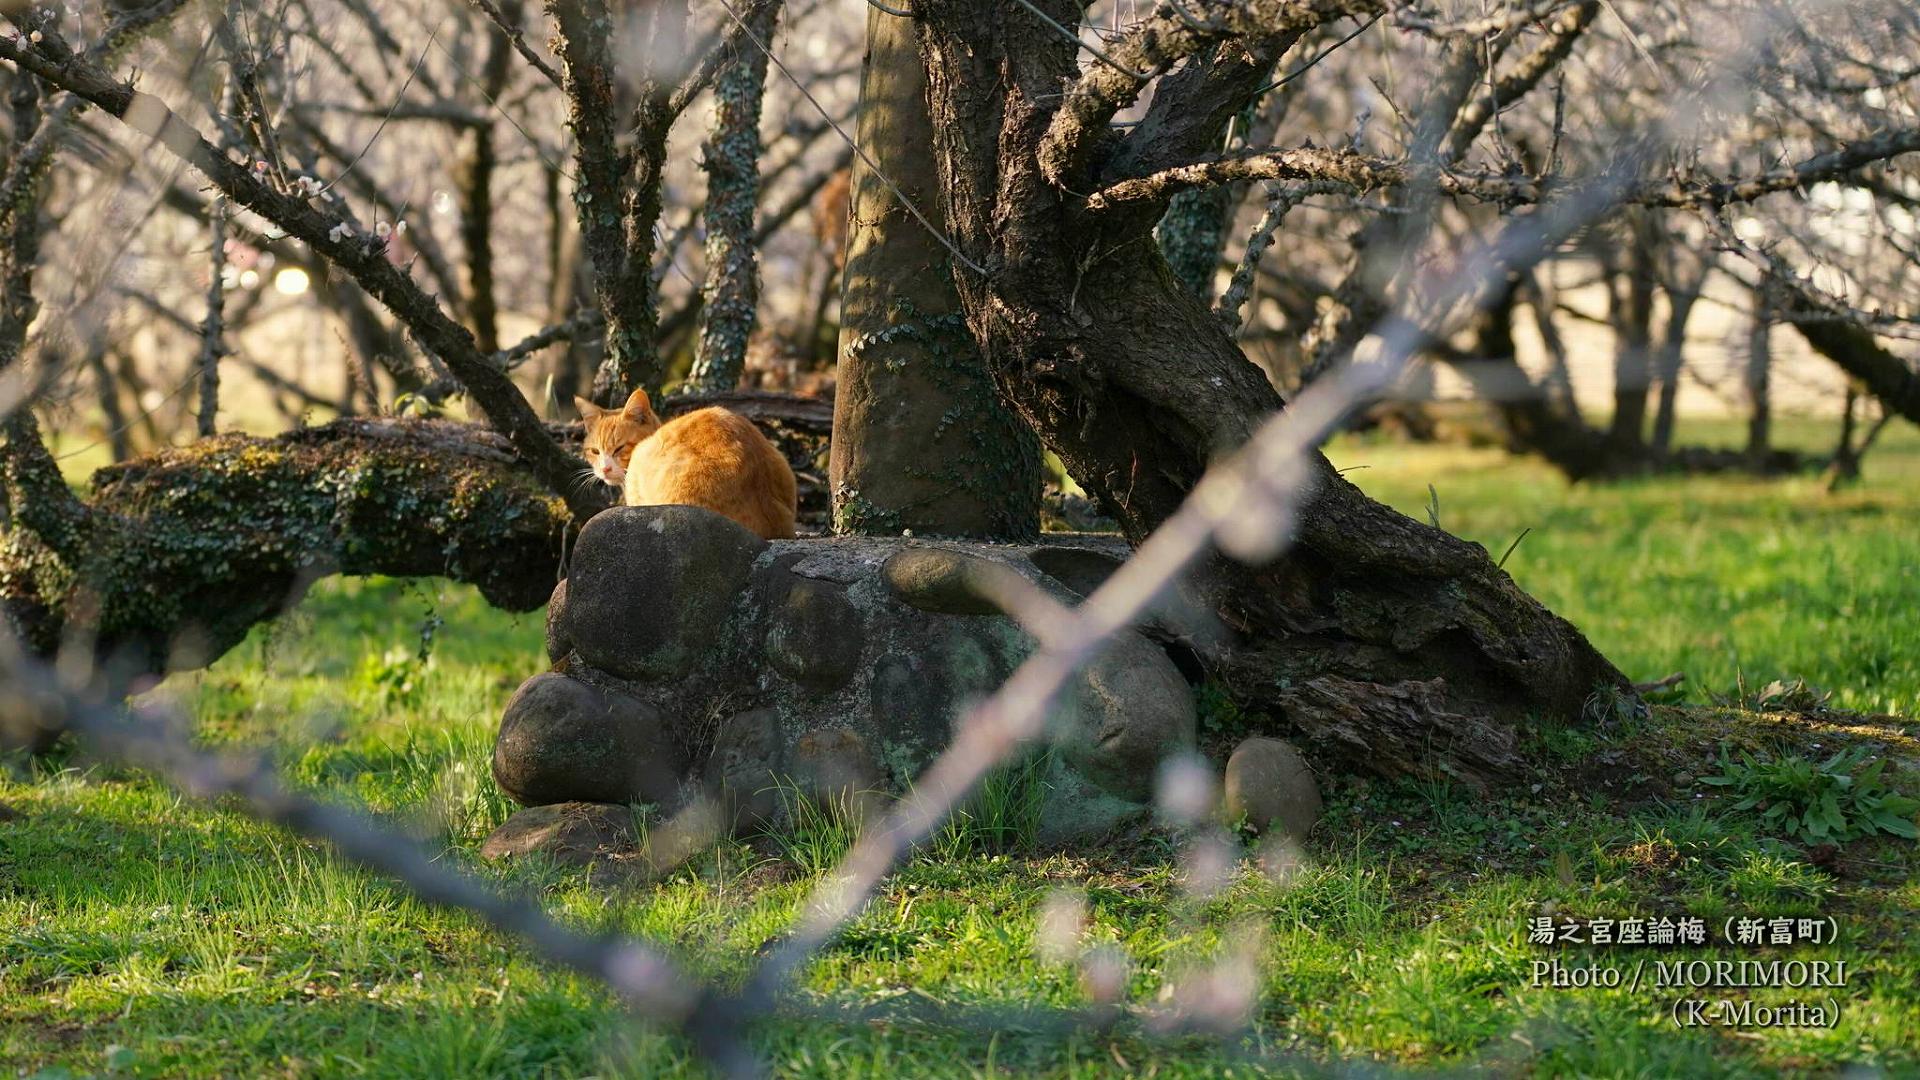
(1137, 387)
(920, 440)
(1193, 234)
(730, 298)
(181, 553)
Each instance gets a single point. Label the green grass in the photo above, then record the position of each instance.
(143, 935)
(1732, 580)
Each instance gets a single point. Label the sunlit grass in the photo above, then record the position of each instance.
(1730, 579)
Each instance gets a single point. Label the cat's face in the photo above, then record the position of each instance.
(612, 435)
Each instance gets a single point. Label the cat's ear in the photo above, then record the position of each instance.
(638, 407)
(588, 410)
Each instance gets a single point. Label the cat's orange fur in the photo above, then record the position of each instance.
(710, 457)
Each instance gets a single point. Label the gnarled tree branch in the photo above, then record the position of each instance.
(187, 549)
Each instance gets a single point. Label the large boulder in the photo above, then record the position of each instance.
(1081, 569)
(833, 764)
(834, 768)
(911, 698)
(1270, 787)
(651, 587)
(562, 740)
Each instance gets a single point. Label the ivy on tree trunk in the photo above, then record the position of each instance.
(920, 439)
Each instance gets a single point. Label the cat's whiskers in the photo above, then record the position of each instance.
(581, 479)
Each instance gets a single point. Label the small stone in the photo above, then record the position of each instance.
(816, 636)
(557, 643)
(940, 580)
(745, 769)
(574, 833)
(1269, 785)
(652, 586)
(1128, 710)
(8, 813)
(562, 740)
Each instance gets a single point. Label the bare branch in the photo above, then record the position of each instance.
(362, 256)
(1562, 34)
(1153, 46)
(1352, 170)
(1282, 199)
(511, 29)
(1362, 173)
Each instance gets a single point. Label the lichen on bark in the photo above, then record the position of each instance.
(186, 550)
(731, 293)
(921, 438)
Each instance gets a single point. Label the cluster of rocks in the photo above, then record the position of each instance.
(695, 664)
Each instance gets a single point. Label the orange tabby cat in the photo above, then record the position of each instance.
(710, 457)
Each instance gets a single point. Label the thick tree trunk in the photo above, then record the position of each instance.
(1391, 644)
(920, 440)
(1193, 234)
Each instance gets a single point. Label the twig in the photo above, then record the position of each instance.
(144, 736)
(1097, 52)
(499, 18)
(397, 97)
(1282, 199)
